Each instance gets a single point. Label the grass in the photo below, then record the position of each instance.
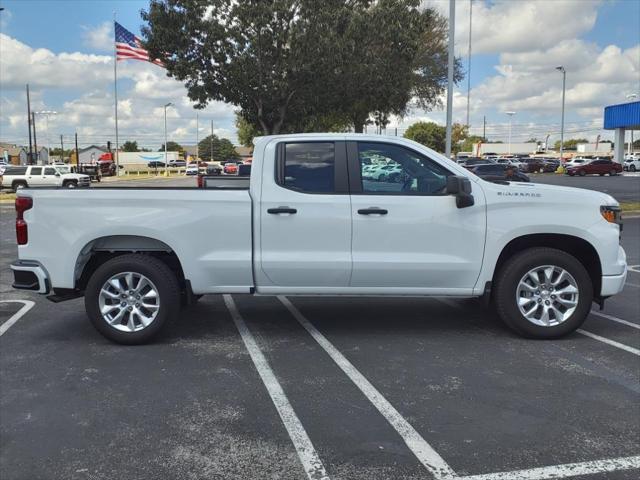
(630, 206)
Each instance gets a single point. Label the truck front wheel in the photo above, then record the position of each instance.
(129, 298)
(543, 293)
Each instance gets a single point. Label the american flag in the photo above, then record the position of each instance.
(129, 47)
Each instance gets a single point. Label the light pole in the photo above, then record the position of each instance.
(511, 114)
(564, 89)
(631, 97)
(450, 61)
(46, 114)
(166, 160)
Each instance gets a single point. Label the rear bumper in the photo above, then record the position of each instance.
(30, 275)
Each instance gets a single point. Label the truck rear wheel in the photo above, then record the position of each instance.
(543, 293)
(18, 184)
(129, 298)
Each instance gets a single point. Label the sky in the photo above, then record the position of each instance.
(64, 50)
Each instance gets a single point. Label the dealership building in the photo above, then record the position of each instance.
(620, 118)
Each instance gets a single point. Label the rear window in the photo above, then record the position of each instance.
(15, 171)
(308, 167)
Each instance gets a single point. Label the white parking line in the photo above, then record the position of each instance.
(431, 460)
(27, 305)
(309, 458)
(632, 284)
(608, 341)
(634, 268)
(563, 471)
(615, 319)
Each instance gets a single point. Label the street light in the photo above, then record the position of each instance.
(46, 114)
(166, 161)
(564, 86)
(511, 114)
(631, 97)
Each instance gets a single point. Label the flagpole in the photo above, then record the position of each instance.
(115, 93)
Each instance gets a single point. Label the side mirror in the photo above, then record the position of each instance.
(57, 174)
(461, 188)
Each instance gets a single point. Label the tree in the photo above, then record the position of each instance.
(571, 144)
(429, 134)
(223, 149)
(246, 131)
(469, 143)
(288, 65)
(172, 147)
(130, 146)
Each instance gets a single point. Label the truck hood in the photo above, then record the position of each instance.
(548, 193)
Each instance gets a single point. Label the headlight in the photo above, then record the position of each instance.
(612, 214)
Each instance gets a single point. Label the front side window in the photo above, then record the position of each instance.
(309, 167)
(49, 171)
(398, 170)
(36, 170)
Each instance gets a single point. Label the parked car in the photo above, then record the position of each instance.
(474, 161)
(177, 163)
(156, 164)
(631, 164)
(595, 167)
(230, 168)
(500, 172)
(192, 169)
(550, 165)
(17, 177)
(305, 223)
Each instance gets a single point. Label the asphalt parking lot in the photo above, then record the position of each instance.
(246, 387)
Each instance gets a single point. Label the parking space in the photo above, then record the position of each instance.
(340, 388)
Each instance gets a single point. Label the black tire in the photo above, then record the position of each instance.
(508, 278)
(582, 173)
(632, 168)
(18, 184)
(155, 270)
(613, 173)
(70, 184)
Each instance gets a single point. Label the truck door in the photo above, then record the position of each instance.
(305, 218)
(35, 176)
(408, 234)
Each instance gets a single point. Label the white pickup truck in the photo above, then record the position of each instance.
(308, 223)
(16, 177)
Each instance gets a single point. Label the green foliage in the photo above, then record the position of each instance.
(570, 144)
(469, 143)
(222, 149)
(303, 65)
(429, 134)
(130, 146)
(172, 147)
(246, 131)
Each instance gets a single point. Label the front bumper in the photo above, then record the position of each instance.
(613, 284)
(30, 275)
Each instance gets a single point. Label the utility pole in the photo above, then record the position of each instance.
(211, 143)
(166, 159)
(511, 114)
(197, 143)
(29, 122)
(564, 84)
(452, 23)
(35, 141)
(484, 127)
(61, 149)
(77, 154)
(469, 64)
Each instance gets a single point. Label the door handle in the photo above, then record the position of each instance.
(276, 211)
(372, 211)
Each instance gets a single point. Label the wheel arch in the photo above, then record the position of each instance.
(98, 251)
(578, 247)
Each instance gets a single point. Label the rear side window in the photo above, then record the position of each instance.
(308, 167)
(36, 171)
(15, 171)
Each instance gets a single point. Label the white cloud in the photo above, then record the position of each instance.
(100, 37)
(514, 26)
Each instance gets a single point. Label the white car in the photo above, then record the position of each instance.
(631, 163)
(305, 223)
(16, 177)
(192, 169)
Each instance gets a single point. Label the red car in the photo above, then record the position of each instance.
(597, 167)
(230, 168)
